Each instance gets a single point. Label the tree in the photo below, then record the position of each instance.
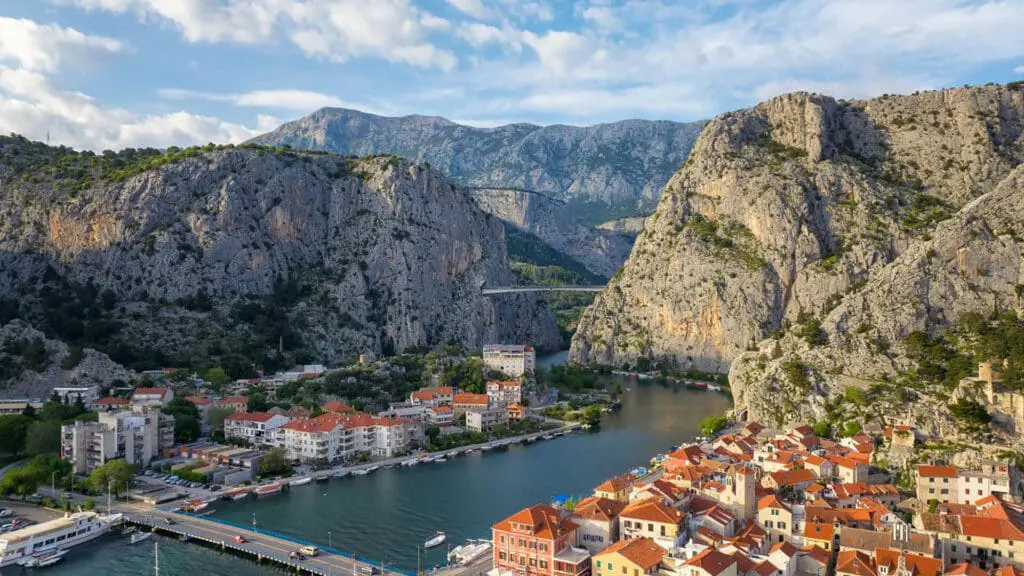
(13, 431)
(113, 474)
(186, 428)
(712, 425)
(49, 467)
(43, 438)
(216, 377)
(433, 432)
(822, 429)
(217, 416)
(275, 461)
(20, 481)
(592, 415)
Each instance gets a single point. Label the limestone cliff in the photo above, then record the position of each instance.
(243, 252)
(836, 227)
(601, 251)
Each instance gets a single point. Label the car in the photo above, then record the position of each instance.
(19, 522)
(195, 485)
(5, 512)
(147, 472)
(309, 550)
(216, 488)
(239, 539)
(173, 478)
(296, 556)
(371, 570)
(169, 521)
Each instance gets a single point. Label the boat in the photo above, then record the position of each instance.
(714, 388)
(43, 559)
(236, 494)
(436, 540)
(140, 537)
(325, 477)
(62, 533)
(441, 459)
(372, 469)
(547, 436)
(410, 462)
(699, 385)
(341, 473)
(269, 489)
(360, 472)
(195, 505)
(127, 530)
(486, 447)
(469, 551)
(300, 481)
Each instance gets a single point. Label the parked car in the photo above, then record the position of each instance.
(5, 512)
(309, 550)
(169, 521)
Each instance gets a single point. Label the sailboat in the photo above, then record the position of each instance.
(436, 540)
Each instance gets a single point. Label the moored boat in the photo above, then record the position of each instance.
(360, 472)
(269, 489)
(436, 540)
(43, 559)
(141, 537)
(442, 459)
(341, 473)
(300, 481)
(325, 477)
(71, 530)
(236, 494)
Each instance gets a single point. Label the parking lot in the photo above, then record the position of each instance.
(150, 481)
(17, 515)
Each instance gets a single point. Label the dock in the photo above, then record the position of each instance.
(260, 545)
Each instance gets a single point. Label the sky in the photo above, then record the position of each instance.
(109, 74)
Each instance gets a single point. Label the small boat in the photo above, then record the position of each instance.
(140, 537)
(127, 530)
(43, 559)
(441, 459)
(360, 472)
(341, 473)
(714, 388)
(486, 447)
(700, 385)
(372, 469)
(183, 538)
(436, 540)
(269, 489)
(195, 505)
(301, 481)
(325, 477)
(236, 494)
(547, 436)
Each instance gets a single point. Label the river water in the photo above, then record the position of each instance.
(385, 516)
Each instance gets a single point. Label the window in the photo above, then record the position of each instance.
(543, 563)
(624, 571)
(610, 567)
(501, 539)
(502, 556)
(533, 562)
(533, 544)
(953, 548)
(597, 563)
(650, 527)
(522, 543)
(663, 530)
(931, 490)
(944, 491)
(945, 480)
(543, 547)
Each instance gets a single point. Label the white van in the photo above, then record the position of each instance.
(309, 550)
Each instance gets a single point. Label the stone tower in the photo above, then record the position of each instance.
(739, 495)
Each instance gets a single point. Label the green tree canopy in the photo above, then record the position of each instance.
(113, 473)
(275, 461)
(21, 482)
(13, 431)
(43, 437)
(712, 425)
(216, 377)
(217, 416)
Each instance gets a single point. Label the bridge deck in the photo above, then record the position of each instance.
(260, 544)
(518, 289)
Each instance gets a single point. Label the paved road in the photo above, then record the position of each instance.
(517, 289)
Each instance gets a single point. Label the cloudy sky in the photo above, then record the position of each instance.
(113, 73)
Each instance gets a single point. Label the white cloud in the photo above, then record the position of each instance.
(300, 100)
(337, 30)
(472, 8)
(1019, 69)
(42, 47)
(33, 107)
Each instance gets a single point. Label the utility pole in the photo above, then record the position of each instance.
(330, 543)
(417, 560)
(53, 484)
(254, 523)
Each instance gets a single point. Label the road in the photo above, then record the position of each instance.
(518, 289)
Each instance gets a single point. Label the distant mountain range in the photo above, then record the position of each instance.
(625, 162)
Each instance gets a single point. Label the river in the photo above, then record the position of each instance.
(386, 515)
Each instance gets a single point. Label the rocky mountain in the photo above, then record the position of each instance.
(31, 365)
(631, 226)
(805, 238)
(248, 255)
(601, 252)
(622, 162)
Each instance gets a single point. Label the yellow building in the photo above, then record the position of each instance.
(635, 557)
(616, 488)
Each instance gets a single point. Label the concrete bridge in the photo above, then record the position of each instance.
(518, 289)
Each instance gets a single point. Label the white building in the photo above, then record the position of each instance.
(138, 437)
(255, 427)
(505, 392)
(71, 394)
(404, 410)
(484, 419)
(511, 359)
(147, 397)
(339, 437)
(439, 416)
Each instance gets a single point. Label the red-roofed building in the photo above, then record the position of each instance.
(776, 517)
(464, 402)
(516, 412)
(891, 562)
(338, 407)
(504, 392)
(635, 557)
(683, 457)
(110, 404)
(965, 569)
(440, 415)
(144, 397)
(433, 396)
(652, 519)
(616, 488)
(846, 495)
(711, 563)
(236, 403)
(335, 437)
(537, 541)
(849, 470)
(258, 428)
(598, 522)
(855, 563)
(797, 479)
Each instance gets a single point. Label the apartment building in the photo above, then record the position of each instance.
(71, 394)
(538, 541)
(483, 419)
(636, 557)
(439, 416)
(339, 437)
(464, 402)
(433, 396)
(258, 428)
(504, 392)
(151, 397)
(513, 360)
(952, 485)
(236, 403)
(598, 522)
(989, 533)
(138, 437)
(652, 519)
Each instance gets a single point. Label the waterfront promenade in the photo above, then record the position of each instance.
(261, 545)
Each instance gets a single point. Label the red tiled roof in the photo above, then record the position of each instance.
(504, 384)
(818, 530)
(927, 471)
(711, 561)
(916, 564)
(198, 400)
(790, 477)
(233, 400)
(786, 547)
(543, 519)
(640, 551)
(149, 391)
(816, 552)
(111, 401)
(467, 398)
(965, 569)
(596, 508)
(843, 462)
(855, 562)
(320, 424)
(441, 409)
(335, 406)
(613, 485)
(772, 501)
(652, 511)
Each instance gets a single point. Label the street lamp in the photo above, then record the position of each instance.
(53, 484)
(330, 543)
(253, 522)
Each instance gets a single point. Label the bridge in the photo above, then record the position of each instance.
(520, 289)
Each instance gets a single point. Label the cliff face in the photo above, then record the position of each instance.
(601, 251)
(621, 162)
(873, 218)
(325, 254)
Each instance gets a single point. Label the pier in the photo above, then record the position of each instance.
(260, 545)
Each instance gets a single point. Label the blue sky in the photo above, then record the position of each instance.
(112, 73)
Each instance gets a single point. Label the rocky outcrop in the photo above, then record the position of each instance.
(602, 252)
(631, 226)
(806, 237)
(329, 255)
(622, 162)
(33, 365)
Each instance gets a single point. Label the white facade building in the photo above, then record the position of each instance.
(485, 419)
(506, 392)
(511, 359)
(138, 437)
(69, 395)
(149, 397)
(255, 427)
(339, 437)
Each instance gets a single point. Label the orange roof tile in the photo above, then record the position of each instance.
(926, 471)
(596, 508)
(111, 401)
(772, 501)
(474, 399)
(149, 391)
(843, 462)
(613, 485)
(916, 564)
(234, 400)
(855, 562)
(544, 520)
(335, 406)
(652, 511)
(816, 552)
(790, 477)
(818, 530)
(640, 551)
(198, 400)
(965, 569)
(250, 417)
(711, 561)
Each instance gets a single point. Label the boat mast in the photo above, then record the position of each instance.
(156, 559)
